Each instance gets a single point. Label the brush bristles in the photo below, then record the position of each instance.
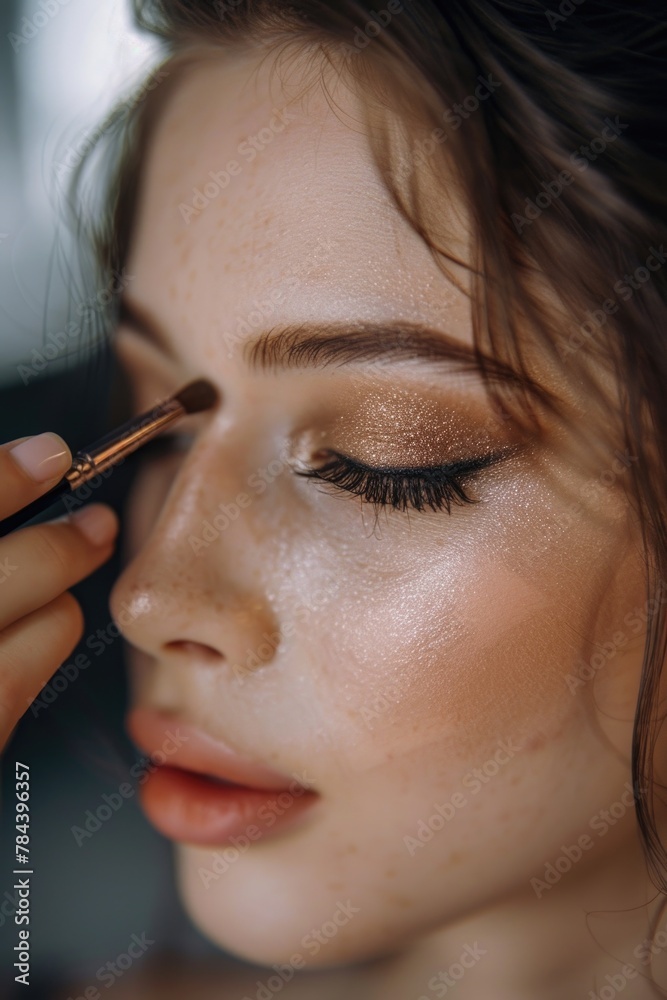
(197, 396)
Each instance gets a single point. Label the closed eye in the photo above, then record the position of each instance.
(403, 487)
(429, 487)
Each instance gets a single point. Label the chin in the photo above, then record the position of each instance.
(258, 914)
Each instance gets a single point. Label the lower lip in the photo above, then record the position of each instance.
(191, 808)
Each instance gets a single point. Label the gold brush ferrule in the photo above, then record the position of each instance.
(114, 447)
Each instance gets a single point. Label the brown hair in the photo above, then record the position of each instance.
(585, 228)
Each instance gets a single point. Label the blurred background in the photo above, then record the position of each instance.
(64, 63)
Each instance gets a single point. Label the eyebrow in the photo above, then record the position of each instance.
(322, 344)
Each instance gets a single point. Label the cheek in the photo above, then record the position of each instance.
(470, 640)
(457, 631)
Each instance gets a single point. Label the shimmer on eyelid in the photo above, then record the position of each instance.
(401, 427)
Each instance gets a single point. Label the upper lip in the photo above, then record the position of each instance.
(183, 745)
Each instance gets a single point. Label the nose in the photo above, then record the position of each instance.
(195, 589)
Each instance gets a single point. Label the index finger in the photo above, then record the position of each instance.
(29, 467)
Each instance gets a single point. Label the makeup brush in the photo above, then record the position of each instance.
(111, 449)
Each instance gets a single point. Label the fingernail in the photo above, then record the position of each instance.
(97, 523)
(42, 457)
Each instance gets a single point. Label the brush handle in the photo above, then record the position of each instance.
(48, 499)
(69, 486)
(109, 451)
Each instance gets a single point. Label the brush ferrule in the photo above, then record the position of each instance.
(112, 449)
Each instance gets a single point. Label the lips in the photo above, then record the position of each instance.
(197, 790)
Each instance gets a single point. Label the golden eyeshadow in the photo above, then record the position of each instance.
(406, 427)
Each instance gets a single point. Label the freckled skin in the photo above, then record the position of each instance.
(428, 637)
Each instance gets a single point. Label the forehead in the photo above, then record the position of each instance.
(257, 190)
(262, 204)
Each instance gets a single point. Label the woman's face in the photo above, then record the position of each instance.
(427, 674)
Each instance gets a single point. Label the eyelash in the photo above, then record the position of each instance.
(432, 487)
(401, 488)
